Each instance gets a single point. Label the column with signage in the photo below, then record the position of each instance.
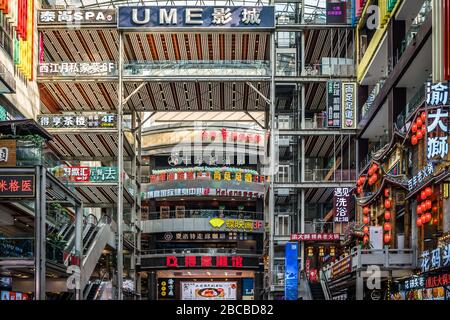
(291, 271)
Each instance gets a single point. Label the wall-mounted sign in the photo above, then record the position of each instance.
(336, 12)
(421, 178)
(202, 236)
(341, 268)
(437, 94)
(225, 135)
(437, 258)
(348, 105)
(437, 137)
(166, 288)
(13, 295)
(413, 283)
(208, 290)
(145, 17)
(248, 289)
(8, 153)
(17, 186)
(77, 69)
(76, 17)
(341, 204)
(208, 174)
(177, 192)
(291, 271)
(205, 261)
(334, 101)
(315, 237)
(237, 224)
(88, 174)
(78, 121)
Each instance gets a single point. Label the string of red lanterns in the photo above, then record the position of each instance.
(424, 206)
(387, 226)
(366, 221)
(419, 129)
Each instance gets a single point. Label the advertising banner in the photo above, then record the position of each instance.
(341, 204)
(69, 121)
(145, 17)
(248, 292)
(77, 17)
(336, 12)
(291, 271)
(208, 290)
(349, 105)
(334, 101)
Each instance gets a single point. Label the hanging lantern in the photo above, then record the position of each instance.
(366, 211)
(424, 207)
(332, 251)
(419, 122)
(387, 226)
(358, 190)
(366, 239)
(414, 128)
(375, 177)
(366, 220)
(387, 215)
(428, 217)
(419, 222)
(428, 191)
(435, 221)
(321, 251)
(310, 251)
(418, 197)
(359, 181)
(371, 182)
(386, 193)
(419, 135)
(428, 204)
(423, 116)
(419, 209)
(414, 140)
(423, 218)
(387, 204)
(424, 130)
(370, 172)
(366, 230)
(375, 167)
(387, 238)
(434, 209)
(423, 195)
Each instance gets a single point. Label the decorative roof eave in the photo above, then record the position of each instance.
(387, 180)
(383, 152)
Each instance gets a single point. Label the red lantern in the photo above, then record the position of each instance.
(435, 221)
(428, 204)
(424, 130)
(386, 192)
(387, 238)
(419, 122)
(434, 209)
(234, 136)
(423, 116)
(375, 177)
(365, 239)
(419, 222)
(428, 191)
(423, 218)
(419, 209)
(424, 207)
(366, 220)
(387, 203)
(371, 182)
(428, 216)
(413, 140)
(366, 230)
(387, 215)
(358, 190)
(419, 135)
(370, 172)
(387, 226)
(423, 195)
(414, 128)
(366, 211)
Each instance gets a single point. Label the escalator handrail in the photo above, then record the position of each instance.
(105, 219)
(324, 283)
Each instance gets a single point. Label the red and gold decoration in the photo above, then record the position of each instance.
(387, 226)
(418, 128)
(425, 208)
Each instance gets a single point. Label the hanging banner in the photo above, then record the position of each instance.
(236, 17)
(334, 104)
(291, 271)
(66, 121)
(348, 105)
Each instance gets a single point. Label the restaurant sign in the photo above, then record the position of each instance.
(421, 177)
(89, 174)
(68, 121)
(189, 236)
(77, 69)
(17, 186)
(315, 236)
(349, 105)
(334, 101)
(176, 192)
(436, 259)
(145, 17)
(76, 17)
(341, 204)
(205, 261)
(237, 224)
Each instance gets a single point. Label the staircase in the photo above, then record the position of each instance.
(317, 291)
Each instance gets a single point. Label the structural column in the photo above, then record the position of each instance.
(40, 234)
(79, 248)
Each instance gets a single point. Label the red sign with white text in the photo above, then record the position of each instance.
(315, 237)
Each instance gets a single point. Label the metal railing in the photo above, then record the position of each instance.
(206, 213)
(329, 69)
(412, 105)
(323, 175)
(209, 251)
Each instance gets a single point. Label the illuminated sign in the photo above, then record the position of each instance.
(81, 121)
(208, 290)
(421, 178)
(203, 236)
(291, 271)
(76, 17)
(237, 224)
(315, 236)
(144, 17)
(17, 186)
(336, 12)
(166, 288)
(348, 105)
(334, 101)
(437, 258)
(341, 203)
(205, 261)
(177, 192)
(206, 173)
(87, 174)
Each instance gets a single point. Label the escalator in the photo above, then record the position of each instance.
(316, 291)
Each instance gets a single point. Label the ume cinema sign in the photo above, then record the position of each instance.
(138, 17)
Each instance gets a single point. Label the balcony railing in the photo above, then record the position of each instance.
(412, 105)
(208, 251)
(205, 213)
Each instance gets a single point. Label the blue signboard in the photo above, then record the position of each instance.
(248, 291)
(170, 17)
(291, 271)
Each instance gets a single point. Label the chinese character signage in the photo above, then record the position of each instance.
(336, 12)
(291, 271)
(422, 177)
(17, 186)
(341, 204)
(218, 261)
(435, 259)
(145, 17)
(315, 237)
(166, 288)
(7, 153)
(77, 69)
(76, 17)
(78, 121)
(89, 174)
(334, 101)
(349, 106)
(437, 94)
(204, 236)
(220, 290)
(437, 139)
(237, 224)
(199, 191)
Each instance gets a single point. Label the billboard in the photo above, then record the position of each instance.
(291, 271)
(208, 290)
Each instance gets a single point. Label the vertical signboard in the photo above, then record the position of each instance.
(336, 12)
(341, 204)
(349, 105)
(291, 271)
(333, 104)
(248, 291)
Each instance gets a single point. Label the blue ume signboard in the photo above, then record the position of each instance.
(260, 17)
